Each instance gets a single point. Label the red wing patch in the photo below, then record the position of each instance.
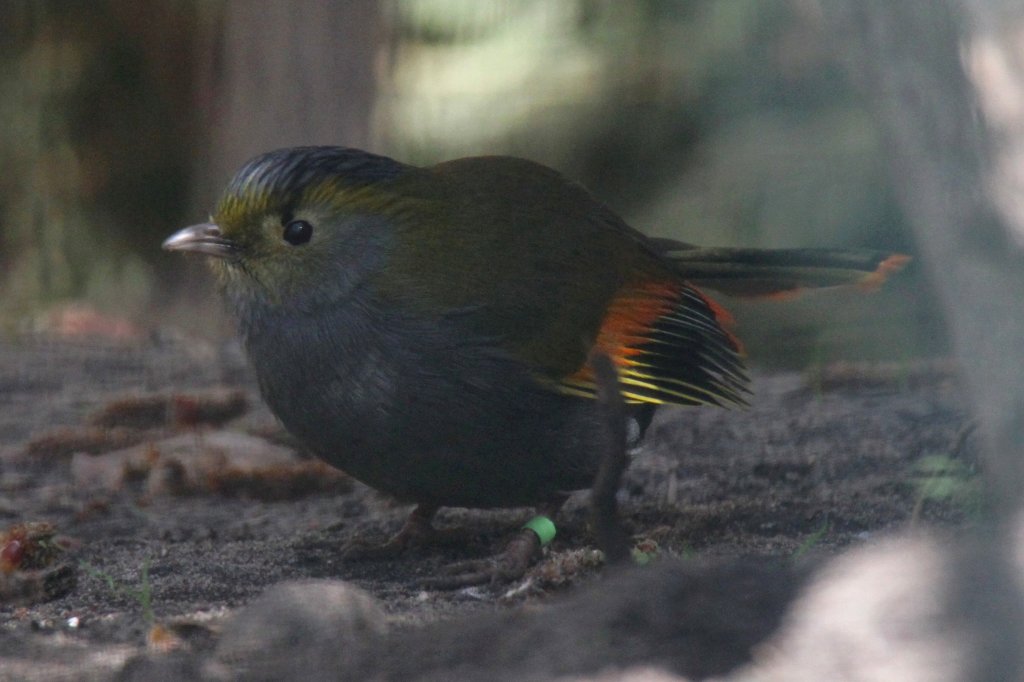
(670, 344)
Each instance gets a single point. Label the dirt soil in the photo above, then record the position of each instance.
(163, 519)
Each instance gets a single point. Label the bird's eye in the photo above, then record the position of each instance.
(297, 232)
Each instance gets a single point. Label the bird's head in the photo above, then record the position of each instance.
(291, 220)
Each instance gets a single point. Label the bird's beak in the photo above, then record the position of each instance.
(202, 238)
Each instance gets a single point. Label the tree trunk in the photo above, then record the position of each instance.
(283, 74)
(950, 167)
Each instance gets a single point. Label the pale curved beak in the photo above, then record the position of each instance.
(202, 238)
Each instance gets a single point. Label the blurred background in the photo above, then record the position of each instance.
(720, 122)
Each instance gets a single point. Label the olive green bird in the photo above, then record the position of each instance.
(427, 330)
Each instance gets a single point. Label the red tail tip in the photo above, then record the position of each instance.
(891, 265)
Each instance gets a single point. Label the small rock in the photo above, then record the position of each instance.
(297, 630)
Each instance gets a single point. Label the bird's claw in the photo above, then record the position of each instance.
(417, 532)
(510, 565)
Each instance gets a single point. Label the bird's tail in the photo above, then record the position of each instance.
(780, 273)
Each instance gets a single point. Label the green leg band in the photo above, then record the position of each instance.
(543, 527)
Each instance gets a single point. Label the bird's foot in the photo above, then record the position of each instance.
(417, 532)
(510, 565)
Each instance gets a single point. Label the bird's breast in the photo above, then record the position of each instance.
(417, 408)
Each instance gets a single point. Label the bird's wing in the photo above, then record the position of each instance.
(671, 344)
(539, 264)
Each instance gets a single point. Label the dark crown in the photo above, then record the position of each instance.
(286, 172)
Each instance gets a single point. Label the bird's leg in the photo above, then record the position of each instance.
(510, 565)
(604, 517)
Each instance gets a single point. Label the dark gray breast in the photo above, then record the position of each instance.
(414, 407)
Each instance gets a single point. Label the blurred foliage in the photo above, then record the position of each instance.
(942, 478)
(713, 121)
(724, 121)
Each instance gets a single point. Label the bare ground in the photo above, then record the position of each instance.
(818, 463)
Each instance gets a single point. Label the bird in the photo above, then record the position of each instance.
(431, 331)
